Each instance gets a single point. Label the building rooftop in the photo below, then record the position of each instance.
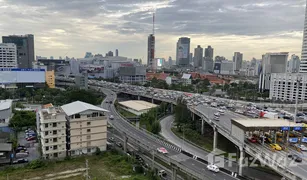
(138, 105)
(79, 106)
(5, 104)
(186, 76)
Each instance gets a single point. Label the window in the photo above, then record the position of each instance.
(54, 125)
(46, 140)
(77, 116)
(55, 139)
(88, 115)
(55, 147)
(47, 148)
(46, 125)
(46, 133)
(95, 114)
(88, 130)
(88, 137)
(54, 132)
(100, 114)
(88, 150)
(88, 123)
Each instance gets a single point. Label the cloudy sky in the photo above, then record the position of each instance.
(73, 27)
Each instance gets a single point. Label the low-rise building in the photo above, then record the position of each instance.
(5, 111)
(72, 129)
(137, 107)
(186, 79)
(132, 74)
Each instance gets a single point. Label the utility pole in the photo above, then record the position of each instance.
(86, 170)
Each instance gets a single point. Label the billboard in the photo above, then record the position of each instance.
(183, 51)
(17, 75)
(159, 62)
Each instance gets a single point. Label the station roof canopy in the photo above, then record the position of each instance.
(137, 105)
(249, 124)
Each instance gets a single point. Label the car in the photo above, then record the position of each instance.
(111, 117)
(162, 150)
(216, 118)
(119, 144)
(252, 139)
(217, 114)
(111, 139)
(296, 158)
(221, 111)
(301, 147)
(22, 151)
(31, 138)
(276, 147)
(19, 161)
(21, 148)
(212, 167)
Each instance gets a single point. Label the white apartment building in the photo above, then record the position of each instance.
(73, 129)
(86, 128)
(284, 86)
(51, 125)
(8, 55)
(227, 67)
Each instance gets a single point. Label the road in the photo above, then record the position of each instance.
(153, 144)
(166, 132)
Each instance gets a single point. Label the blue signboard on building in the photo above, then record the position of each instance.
(285, 128)
(297, 128)
(293, 140)
(304, 139)
(20, 69)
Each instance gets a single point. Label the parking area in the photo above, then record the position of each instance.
(31, 146)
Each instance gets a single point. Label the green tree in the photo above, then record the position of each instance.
(156, 127)
(22, 119)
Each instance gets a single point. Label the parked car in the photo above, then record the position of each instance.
(212, 167)
(252, 139)
(301, 147)
(111, 139)
(296, 158)
(119, 144)
(19, 161)
(31, 138)
(21, 155)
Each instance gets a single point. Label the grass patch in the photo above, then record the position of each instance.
(109, 165)
(125, 113)
(196, 138)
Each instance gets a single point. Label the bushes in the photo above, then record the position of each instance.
(36, 164)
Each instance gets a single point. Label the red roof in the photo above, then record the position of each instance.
(160, 76)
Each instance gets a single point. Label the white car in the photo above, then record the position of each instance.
(212, 167)
(111, 117)
(221, 111)
(302, 147)
(217, 114)
(162, 150)
(216, 118)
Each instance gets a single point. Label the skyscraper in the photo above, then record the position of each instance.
(110, 54)
(303, 65)
(116, 52)
(25, 48)
(198, 57)
(183, 51)
(209, 52)
(237, 59)
(150, 51)
(294, 64)
(170, 61)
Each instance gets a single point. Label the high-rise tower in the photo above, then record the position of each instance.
(303, 65)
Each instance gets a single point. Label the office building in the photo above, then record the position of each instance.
(183, 51)
(191, 58)
(25, 49)
(110, 54)
(294, 64)
(303, 65)
(208, 64)
(170, 62)
(198, 57)
(81, 80)
(272, 63)
(227, 67)
(116, 52)
(209, 52)
(73, 129)
(219, 58)
(8, 55)
(132, 74)
(50, 78)
(284, 86)
(238, 60)
(150, 51)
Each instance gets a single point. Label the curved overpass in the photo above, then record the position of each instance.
(223, 127)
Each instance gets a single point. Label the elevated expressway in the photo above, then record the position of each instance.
(223, 127)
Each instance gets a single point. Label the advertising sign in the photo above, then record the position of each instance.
(285, 128)
(297, 128)
(183, 51)
(293, 140)
(159, 62)
(304, 139)
(16, 75)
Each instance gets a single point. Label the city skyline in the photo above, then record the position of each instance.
(255, 28)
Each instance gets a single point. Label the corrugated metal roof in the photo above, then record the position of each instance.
(137, 105)
(79, 106)
(5, 104)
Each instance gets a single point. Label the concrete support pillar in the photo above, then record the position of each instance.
(172, 108)
(139, 97)
(275, 136)
(202, 126)
(241, 160)
(152, 101)
(215, 139)
(125, 143)
(193, 116)
(174, 172)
